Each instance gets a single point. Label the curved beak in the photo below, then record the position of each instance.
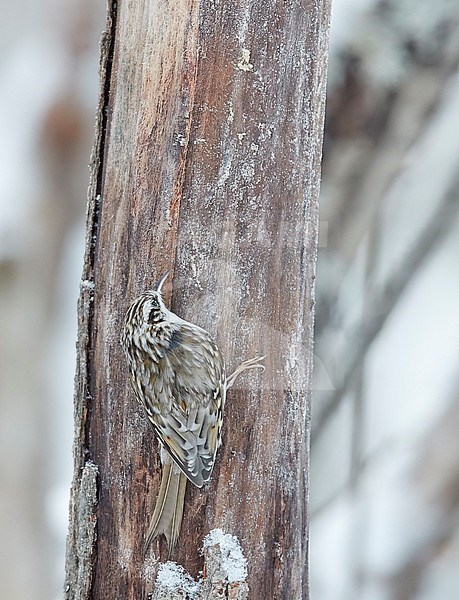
(159, 284)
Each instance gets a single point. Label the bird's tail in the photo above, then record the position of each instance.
(168, 513)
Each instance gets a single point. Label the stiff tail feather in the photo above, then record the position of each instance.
(168, 513)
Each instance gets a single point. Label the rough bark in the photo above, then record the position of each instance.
(207, 162)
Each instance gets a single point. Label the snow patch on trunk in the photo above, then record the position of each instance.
(225, 568)
(233, 560)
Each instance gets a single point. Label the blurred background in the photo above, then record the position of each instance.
(385, 442)
(48, 95)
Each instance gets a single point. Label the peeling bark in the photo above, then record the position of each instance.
(207, 163)
(81, 540)
(81, 558)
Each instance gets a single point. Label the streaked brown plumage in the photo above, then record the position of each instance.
(179, 377)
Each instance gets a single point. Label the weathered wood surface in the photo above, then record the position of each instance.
(207, 162)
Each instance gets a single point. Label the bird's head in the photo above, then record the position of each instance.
(153, 309)
(147, 309)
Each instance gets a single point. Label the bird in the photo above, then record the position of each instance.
(179, 377)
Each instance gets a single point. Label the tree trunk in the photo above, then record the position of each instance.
(207, 162)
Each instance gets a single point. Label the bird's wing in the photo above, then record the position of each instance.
(189, 422)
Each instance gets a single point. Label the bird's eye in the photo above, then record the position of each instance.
(155, 311)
